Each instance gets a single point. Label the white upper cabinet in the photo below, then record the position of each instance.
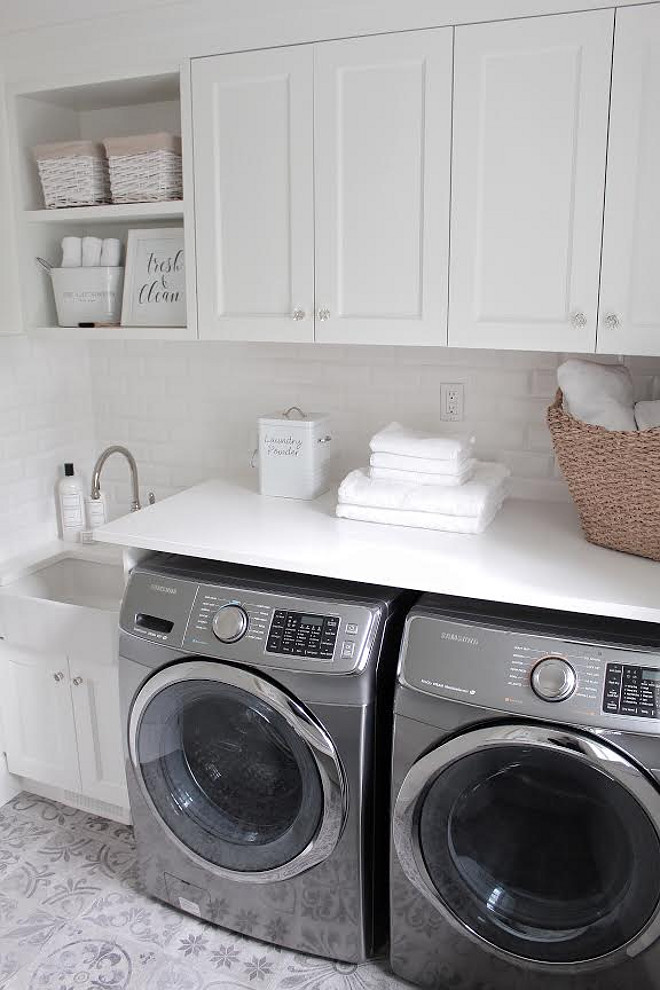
(629, 319)
(530, 131)
(382, 151)
(253, 160)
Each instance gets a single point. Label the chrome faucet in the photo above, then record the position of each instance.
(96, 474)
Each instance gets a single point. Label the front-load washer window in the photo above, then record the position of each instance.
(540, 853)
(228, 775)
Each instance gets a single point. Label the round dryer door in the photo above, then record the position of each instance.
(540, 842)
(245, 780)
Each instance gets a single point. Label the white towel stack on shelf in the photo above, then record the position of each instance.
(430, 482)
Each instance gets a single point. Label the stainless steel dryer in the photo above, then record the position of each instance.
(250, 701)
(526, 800)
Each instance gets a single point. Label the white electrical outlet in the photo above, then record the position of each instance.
(451, 403)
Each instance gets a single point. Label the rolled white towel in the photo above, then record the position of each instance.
(423, 477)
(91, 252)
(111, 252)
(647, 414)
(425, 465)
(600, 394)
(397, 439)
(420, 520)
(71, 252)
(471, 499)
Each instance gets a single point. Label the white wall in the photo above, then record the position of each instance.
(45, 419)
(189, 410)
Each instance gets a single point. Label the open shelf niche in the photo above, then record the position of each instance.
(93, 111)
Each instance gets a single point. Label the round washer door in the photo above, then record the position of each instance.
(242, 777)
(540, 842)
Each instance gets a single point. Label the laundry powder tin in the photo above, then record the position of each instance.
(294, 454)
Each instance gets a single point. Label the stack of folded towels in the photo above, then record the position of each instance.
(417, 479)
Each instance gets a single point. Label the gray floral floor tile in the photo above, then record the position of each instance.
(72, 915)
(81, 956)
(129, 912)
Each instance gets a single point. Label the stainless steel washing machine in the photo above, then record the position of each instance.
(252, 701)
(526, 800)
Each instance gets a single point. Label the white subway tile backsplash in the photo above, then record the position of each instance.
(188, 411)
(45, 418)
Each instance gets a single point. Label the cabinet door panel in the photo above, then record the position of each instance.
(629, 318)
(382, 154)
(38, 717)
(95, 694)
(530, 130)
(253, 161)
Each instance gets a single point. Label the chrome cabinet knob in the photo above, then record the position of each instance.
(579, 321)
(553, 679)
(77, 681)
(323, 315)
(230, 623)
(612, 321)
(298, 314)
(59, 676)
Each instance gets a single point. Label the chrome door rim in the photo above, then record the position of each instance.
(312, 733)
(591, 751)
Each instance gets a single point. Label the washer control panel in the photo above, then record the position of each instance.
(632, 690)
(303, 635)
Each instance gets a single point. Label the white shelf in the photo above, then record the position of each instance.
(110, 333)
(111, 213)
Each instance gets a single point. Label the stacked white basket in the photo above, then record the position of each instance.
(145, 169)
(73, 173)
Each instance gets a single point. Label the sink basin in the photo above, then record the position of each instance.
(72, 581)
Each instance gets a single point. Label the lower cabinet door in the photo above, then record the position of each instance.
(38, 717)
(95, 692)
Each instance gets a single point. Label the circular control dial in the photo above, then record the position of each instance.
(230, 623)
(553, 679)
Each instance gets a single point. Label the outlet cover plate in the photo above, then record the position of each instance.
(451, 403)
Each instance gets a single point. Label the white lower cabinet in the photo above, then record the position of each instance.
(37, 712)
(62, 722)
(95, 693)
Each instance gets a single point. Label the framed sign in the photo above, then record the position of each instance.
(154, 282)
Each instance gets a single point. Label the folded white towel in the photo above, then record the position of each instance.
(91, 252)
(647, 414)
(423, 477)
(71, 252)
(111, 252)
(396, 439)
(424, 465)
(471, 499)
(420, 520)
(600, 394)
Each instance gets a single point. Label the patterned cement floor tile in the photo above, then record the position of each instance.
(72, 916)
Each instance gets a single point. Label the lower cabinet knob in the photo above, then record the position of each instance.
(77, 681)
(59, 676)
(553, 679)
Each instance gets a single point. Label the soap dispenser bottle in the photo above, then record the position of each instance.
(71, 496)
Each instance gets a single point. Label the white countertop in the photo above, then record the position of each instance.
(532, 554)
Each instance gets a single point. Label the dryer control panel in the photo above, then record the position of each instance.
(513, 666)
(632, 690)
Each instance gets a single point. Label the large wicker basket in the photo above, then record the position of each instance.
(614, 479)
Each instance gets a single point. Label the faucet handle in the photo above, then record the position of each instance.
(151, 498)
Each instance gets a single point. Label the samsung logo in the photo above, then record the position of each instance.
(455, 638)
(164, 589)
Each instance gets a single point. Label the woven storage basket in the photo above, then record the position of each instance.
(145, 169)
(73, 173)
(614, 479)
